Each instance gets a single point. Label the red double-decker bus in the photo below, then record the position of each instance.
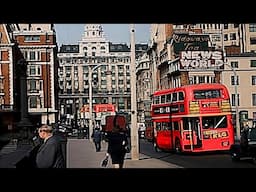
(193, 118)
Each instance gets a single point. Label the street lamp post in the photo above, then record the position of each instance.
(134, 127)
(236, 100)
(47, 89)
(236, 80)
(91, 69)
(76, 117)
(24, 124)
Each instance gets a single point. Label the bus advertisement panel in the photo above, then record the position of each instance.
(103, 110)
(192, 118)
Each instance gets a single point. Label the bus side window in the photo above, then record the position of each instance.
(181, 96)
(168, 98)
(176, 126)
(174, 97)
(156, 100)
(163, 99)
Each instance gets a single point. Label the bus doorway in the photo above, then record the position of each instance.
(192, 133)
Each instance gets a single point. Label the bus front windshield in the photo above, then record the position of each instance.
(214, 122)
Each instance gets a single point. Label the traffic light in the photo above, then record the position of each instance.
(94, 79)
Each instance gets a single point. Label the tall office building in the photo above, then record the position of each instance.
(110, 65)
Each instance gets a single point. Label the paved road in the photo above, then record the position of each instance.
(81, 153)
(200, 160)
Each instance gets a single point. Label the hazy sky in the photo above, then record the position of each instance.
(116, 33)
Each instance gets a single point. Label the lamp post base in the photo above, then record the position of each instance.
(25, 130)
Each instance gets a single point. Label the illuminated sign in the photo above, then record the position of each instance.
(201, 60)
(190, 42)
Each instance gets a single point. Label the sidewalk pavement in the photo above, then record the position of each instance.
(11, 156)
(81, 153)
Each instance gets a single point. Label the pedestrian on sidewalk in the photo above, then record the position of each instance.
(117, 146)
(49, 154)
(96, 135)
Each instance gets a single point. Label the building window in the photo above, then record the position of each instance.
(201, 79)
(252, 27)
(32, 70)
(1, 86)
(32, 55)
(32, 38)
(233, 102)
(253, 80)
(232, 36)
(253, 99)
(103, 68)
(233, 80)
(216, 38)
(103, 82)
(234, 64)
(41, 85)
(32, 84)
(252, 40)
(191, 80)
(195, 80)
(33, 102)
(225, 37)
(254, 115)
(253, 63)
(236, 25)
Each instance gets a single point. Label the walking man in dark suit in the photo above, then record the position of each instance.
(49, 154)
(96, 135)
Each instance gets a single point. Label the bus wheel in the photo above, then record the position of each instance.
(156, 147)
(177, 146)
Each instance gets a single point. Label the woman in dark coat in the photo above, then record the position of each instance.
(117, 146)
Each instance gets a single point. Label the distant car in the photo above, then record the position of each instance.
(246, 148)
(63, 129)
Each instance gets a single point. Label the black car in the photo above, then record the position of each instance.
(246, 148)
